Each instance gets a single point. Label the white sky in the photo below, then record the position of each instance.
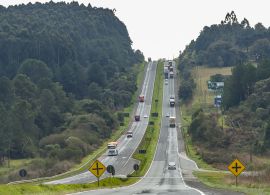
(161, 28)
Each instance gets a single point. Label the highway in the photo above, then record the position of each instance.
(158, 179)
(123, 163)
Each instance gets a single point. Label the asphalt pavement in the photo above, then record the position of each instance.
(159, 179)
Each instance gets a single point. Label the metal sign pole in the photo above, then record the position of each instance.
(236, 181)
(98, 181)
(111, 180)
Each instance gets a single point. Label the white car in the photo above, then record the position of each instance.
(168, 115)
(171, 166)
(145, 116)
(112, 152)
(166, 82)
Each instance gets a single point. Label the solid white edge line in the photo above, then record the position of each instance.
(187, 186)
(141, 177)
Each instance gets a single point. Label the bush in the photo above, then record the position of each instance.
(53, 139)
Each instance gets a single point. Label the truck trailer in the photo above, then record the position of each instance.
(137, 117)
(141, 98)
(172, 121)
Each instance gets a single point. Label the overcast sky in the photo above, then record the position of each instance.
(161, 28)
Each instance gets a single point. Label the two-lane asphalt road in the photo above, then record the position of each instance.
(159, 179)
(123, 163)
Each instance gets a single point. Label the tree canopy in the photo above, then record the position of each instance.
(65, 69)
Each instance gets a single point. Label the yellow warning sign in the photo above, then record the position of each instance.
(236, 167)
(97, 168)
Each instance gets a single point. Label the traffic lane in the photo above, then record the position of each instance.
(159, 179)
(162, 144)
(126, 152)
(86, 176)
(130, 144)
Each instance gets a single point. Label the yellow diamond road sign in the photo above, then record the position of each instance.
(236, 167)
(97, 168)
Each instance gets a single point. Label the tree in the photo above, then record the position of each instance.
(24, 88)
(260, 49)
(263, 70)
(35, 70)
(240, 85)
(7, 91)
(97, 75)
(186, 90)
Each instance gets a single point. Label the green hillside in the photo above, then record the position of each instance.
(65, 69)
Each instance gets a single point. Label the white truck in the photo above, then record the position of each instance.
(112, 152)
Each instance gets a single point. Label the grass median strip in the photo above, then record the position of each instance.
(151, 135)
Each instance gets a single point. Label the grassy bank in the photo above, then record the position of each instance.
(151, 135)
(249, 184)
(28, 189)
(246, 184)
(202, 99)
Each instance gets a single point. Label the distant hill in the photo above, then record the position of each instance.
(73, 40)
(227, 44)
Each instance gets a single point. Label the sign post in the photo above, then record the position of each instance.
(236, 167)
(111, 170)
(136, 168)
(97, 169)
(22, 172)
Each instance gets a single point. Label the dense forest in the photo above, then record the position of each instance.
(65, 69)
(228, 44)
(243, 125)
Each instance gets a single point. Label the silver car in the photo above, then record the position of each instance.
(172, 166)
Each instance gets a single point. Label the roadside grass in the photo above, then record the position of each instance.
(202, 74)
(28, 189)
(256, 184)
(202, 99)
(151, 135)
(14, 164)
(190, 148)
(226, 181)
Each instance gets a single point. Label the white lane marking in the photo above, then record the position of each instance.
(143, 109)
(179, 168)
(186, 158)
(110, 160)
(155, 149)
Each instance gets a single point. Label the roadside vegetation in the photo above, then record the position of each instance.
(66, 71)
(231, 52)
(149, 143)
(28, 189)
